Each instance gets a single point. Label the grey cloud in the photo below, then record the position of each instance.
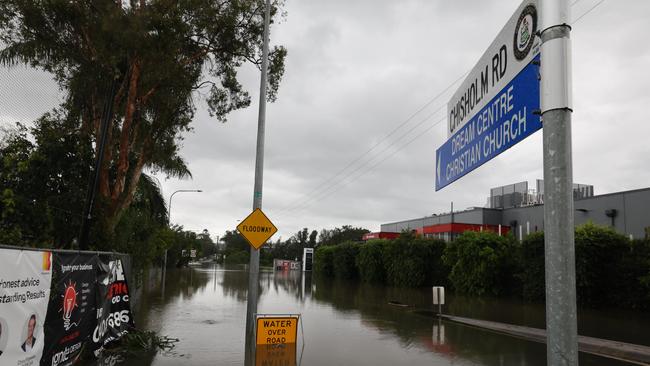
(356, 69)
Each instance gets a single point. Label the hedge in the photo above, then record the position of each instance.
(483, 263)
(611, 270)
(345, 256)
(324, 260)
(370, 261)
(533, 275)
(638, 261)
(414, 261)
(406, 261)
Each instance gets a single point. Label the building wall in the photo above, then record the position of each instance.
(476, 216)
(633, 211)
(633, 215)
(524, 220)
(493, 216)
(637, 212)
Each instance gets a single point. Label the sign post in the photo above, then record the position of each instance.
(254, 264)
(559, 241)
(498, 103)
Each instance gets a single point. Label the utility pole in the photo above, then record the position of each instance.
(254, 264)
(107, 116)
(556, 108)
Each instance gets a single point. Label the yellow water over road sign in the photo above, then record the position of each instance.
(257, 228)
(277, 330)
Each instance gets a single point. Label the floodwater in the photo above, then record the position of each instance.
(347, 323)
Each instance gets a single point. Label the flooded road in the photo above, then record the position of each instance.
(348, 323)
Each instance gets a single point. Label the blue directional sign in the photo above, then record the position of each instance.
(505, 120)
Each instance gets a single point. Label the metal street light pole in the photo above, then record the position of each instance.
(254, 263)
(169, 210)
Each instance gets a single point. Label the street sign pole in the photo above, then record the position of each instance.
(254, 264)
(556, 108)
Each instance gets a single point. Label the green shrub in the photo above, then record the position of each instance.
(636, 272)
(600, 255)
(238, 257)
(345, 255)
(435, 268)
(324, 261)
(483, 263)
(413, 261)
(533, 275)
(370, 261)
(609, 268)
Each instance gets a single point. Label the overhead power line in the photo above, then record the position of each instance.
(342, 182)
(588, 11)
(386, 137)
(301, 208)
(312, 197)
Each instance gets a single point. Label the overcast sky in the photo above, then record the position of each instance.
(355, 72)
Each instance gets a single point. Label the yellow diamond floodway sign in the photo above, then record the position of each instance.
(257, 228)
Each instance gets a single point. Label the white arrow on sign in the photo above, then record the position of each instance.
(438, 169)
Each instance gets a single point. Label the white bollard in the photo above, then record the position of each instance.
(439, 297)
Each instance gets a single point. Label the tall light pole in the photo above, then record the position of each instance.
(169, 210)
(254, 264)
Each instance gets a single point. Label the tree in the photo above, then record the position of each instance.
(234, 242)
(43, 170)
(154, 55)
(324, 236)
(208, 247)
(339, 235)
(142, 230)
(302, 236)
(312, 238)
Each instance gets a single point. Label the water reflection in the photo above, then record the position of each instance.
(294, 283)
(344, 322)
(234, 284)
(276, 355)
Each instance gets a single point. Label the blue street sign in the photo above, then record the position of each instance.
(506, 119)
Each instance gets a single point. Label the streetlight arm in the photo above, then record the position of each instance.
(169, 208)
